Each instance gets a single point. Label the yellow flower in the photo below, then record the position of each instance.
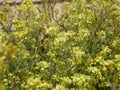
(10, 50)
(2, 87)
(33, 81)
(3, 17)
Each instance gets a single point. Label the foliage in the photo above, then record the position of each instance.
(77, 51)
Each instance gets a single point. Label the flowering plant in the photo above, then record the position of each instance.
(77, 51)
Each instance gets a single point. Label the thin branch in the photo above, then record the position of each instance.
(57, 20)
